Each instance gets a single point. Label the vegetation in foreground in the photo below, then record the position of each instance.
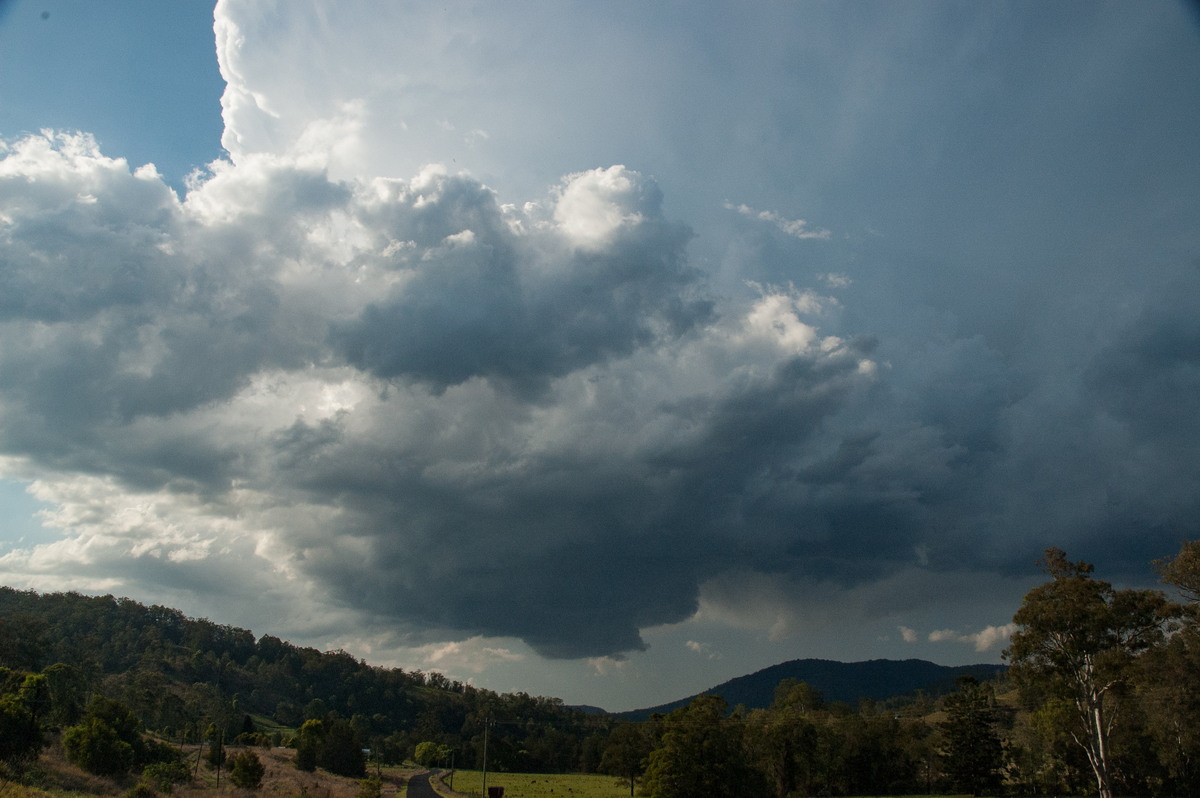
(56, 777)
(1101, 698)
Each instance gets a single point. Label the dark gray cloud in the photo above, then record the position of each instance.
(481, 301)
(410, 400)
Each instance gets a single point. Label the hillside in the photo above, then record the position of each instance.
(847, 682)
(179, 674)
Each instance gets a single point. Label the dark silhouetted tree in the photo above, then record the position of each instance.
(972, 753)
(625, 752)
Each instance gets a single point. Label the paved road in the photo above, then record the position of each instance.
(419, 787)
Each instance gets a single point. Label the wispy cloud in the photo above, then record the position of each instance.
(796, 228)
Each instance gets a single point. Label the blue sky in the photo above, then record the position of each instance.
(598, 351)
(142, 77)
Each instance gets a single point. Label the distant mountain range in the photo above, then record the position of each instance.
(876, 679)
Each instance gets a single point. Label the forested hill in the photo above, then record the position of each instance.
(179, 674)
(848, 682)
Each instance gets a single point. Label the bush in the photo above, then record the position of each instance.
(308, 744)
(370, 787)
(164, 775)
(141, 790)
(109, 740)
(246, 771)
(97, 748)
(252, 738)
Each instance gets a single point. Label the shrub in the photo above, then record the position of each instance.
(252, 738)
(97, 748)
(246, 771)
(370, 787)
(108, 742)
(164, 775)
(141, 790)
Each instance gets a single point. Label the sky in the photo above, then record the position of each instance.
(597, 351)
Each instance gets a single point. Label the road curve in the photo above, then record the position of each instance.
(419, 787)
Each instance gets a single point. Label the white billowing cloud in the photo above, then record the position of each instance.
(593, 205)
(907, 634)
(987, 639)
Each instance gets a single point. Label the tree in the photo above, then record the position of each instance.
(785, 739)
(22, 642)
(1076, 639)
(68, 690)
(246, 770)
(973, 754)
(429, 753)
(216, 745)
(331, 744)
(341, 750)
(625, 753)
(701, 754)
(308, 744)
(108, 742)
(1183, 570)
(20, 735)
(1169, 681)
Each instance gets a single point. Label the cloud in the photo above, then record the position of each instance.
(472, 655)
(602, 277)
(366, 390)
(796, 228)
(987, 639)
(385, 370)
(371, 390)
(703, 649)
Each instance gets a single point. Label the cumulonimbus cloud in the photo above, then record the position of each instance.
(539, 407)
(368, 391)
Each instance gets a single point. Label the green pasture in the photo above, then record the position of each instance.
(540, 785)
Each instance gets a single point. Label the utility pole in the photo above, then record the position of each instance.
(486, 724)
(220, 755)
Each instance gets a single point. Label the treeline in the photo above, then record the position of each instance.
(1102, 697)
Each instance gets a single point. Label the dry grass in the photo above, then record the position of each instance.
(55, 777)
(537, 785)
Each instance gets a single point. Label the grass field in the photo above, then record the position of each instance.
(537, 785)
